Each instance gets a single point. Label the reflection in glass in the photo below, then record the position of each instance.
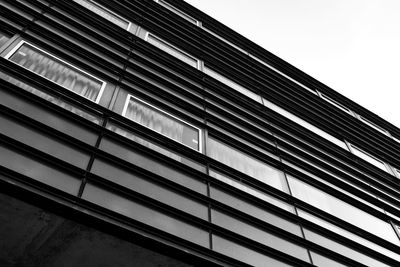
(342, 210)
(252, 191)
(319, 260)
(304, 123)
(246, 164)
(258, 235)
(365, 156)
(347, 234)
(144, 214)
(341, 249)
(244, 254)
(134, 137)
(104, 12)
(3, 38)
(57, 71)
(170, 49)
(161, 122)
(53, 99)
(232, 84)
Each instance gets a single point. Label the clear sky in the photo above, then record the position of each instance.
(352, 46)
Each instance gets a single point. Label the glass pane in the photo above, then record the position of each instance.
(57, 71)
(348, 234)
(322, 261)
(246, 164)
(261, 236)
(244, 254)
(38, 171)
(252, 191)
(342, 210)
(145, 215)
(368, 158)
(341, 249)
(256, 211)
(134, 137)
(170, 49)
(149, 188)
(162, 122)
(152, 165)
(104, 12)
(304, 123)
(53, 99)
(47, 117)
(232, 84)
(43, 142)
(3, 38)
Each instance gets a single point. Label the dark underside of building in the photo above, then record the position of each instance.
(146, 133)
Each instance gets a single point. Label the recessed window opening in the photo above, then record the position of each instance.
(56, 70)
(162, 122)
(335, 103)
(177, 11)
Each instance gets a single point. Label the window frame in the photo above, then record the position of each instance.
(178, 12)
(352, 147)
(108, 10)
(146, 37)
(200, 141)
(335, 103)
(22, 42)
(373, 125)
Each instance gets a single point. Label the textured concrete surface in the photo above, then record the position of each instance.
(30, 236)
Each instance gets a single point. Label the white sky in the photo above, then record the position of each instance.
(352, 46)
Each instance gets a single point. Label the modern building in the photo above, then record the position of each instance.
(146, 133)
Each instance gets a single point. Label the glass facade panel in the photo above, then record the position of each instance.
(172, 50)
(161, 122)
(256, 211)
(134, 137)
(348, 234)
(244, 254)
(342, 210)
(304, 123)
(41, 141)
(246, 164)
(146, 215)
(56, 70)
(149, 188)
(365, 156)
(47, 117)
(104, 12)
(256, 234)
(3, 38)
(152, 165)
(341, 249)
(252, 191)
(232, 84)
(53, 99)
(319, 260)
(38, 171)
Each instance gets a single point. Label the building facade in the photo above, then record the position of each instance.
(146, 133)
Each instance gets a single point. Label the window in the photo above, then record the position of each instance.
(232, 84)
(57, 71)
(105, 13)
(162, 122)
(304, 123)
(283, 74)
(342, 210)
(224, 40)
(246, 164)
(373, 125)
(172, 50)
(367, 157)
(335, 103)
(177, 11)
